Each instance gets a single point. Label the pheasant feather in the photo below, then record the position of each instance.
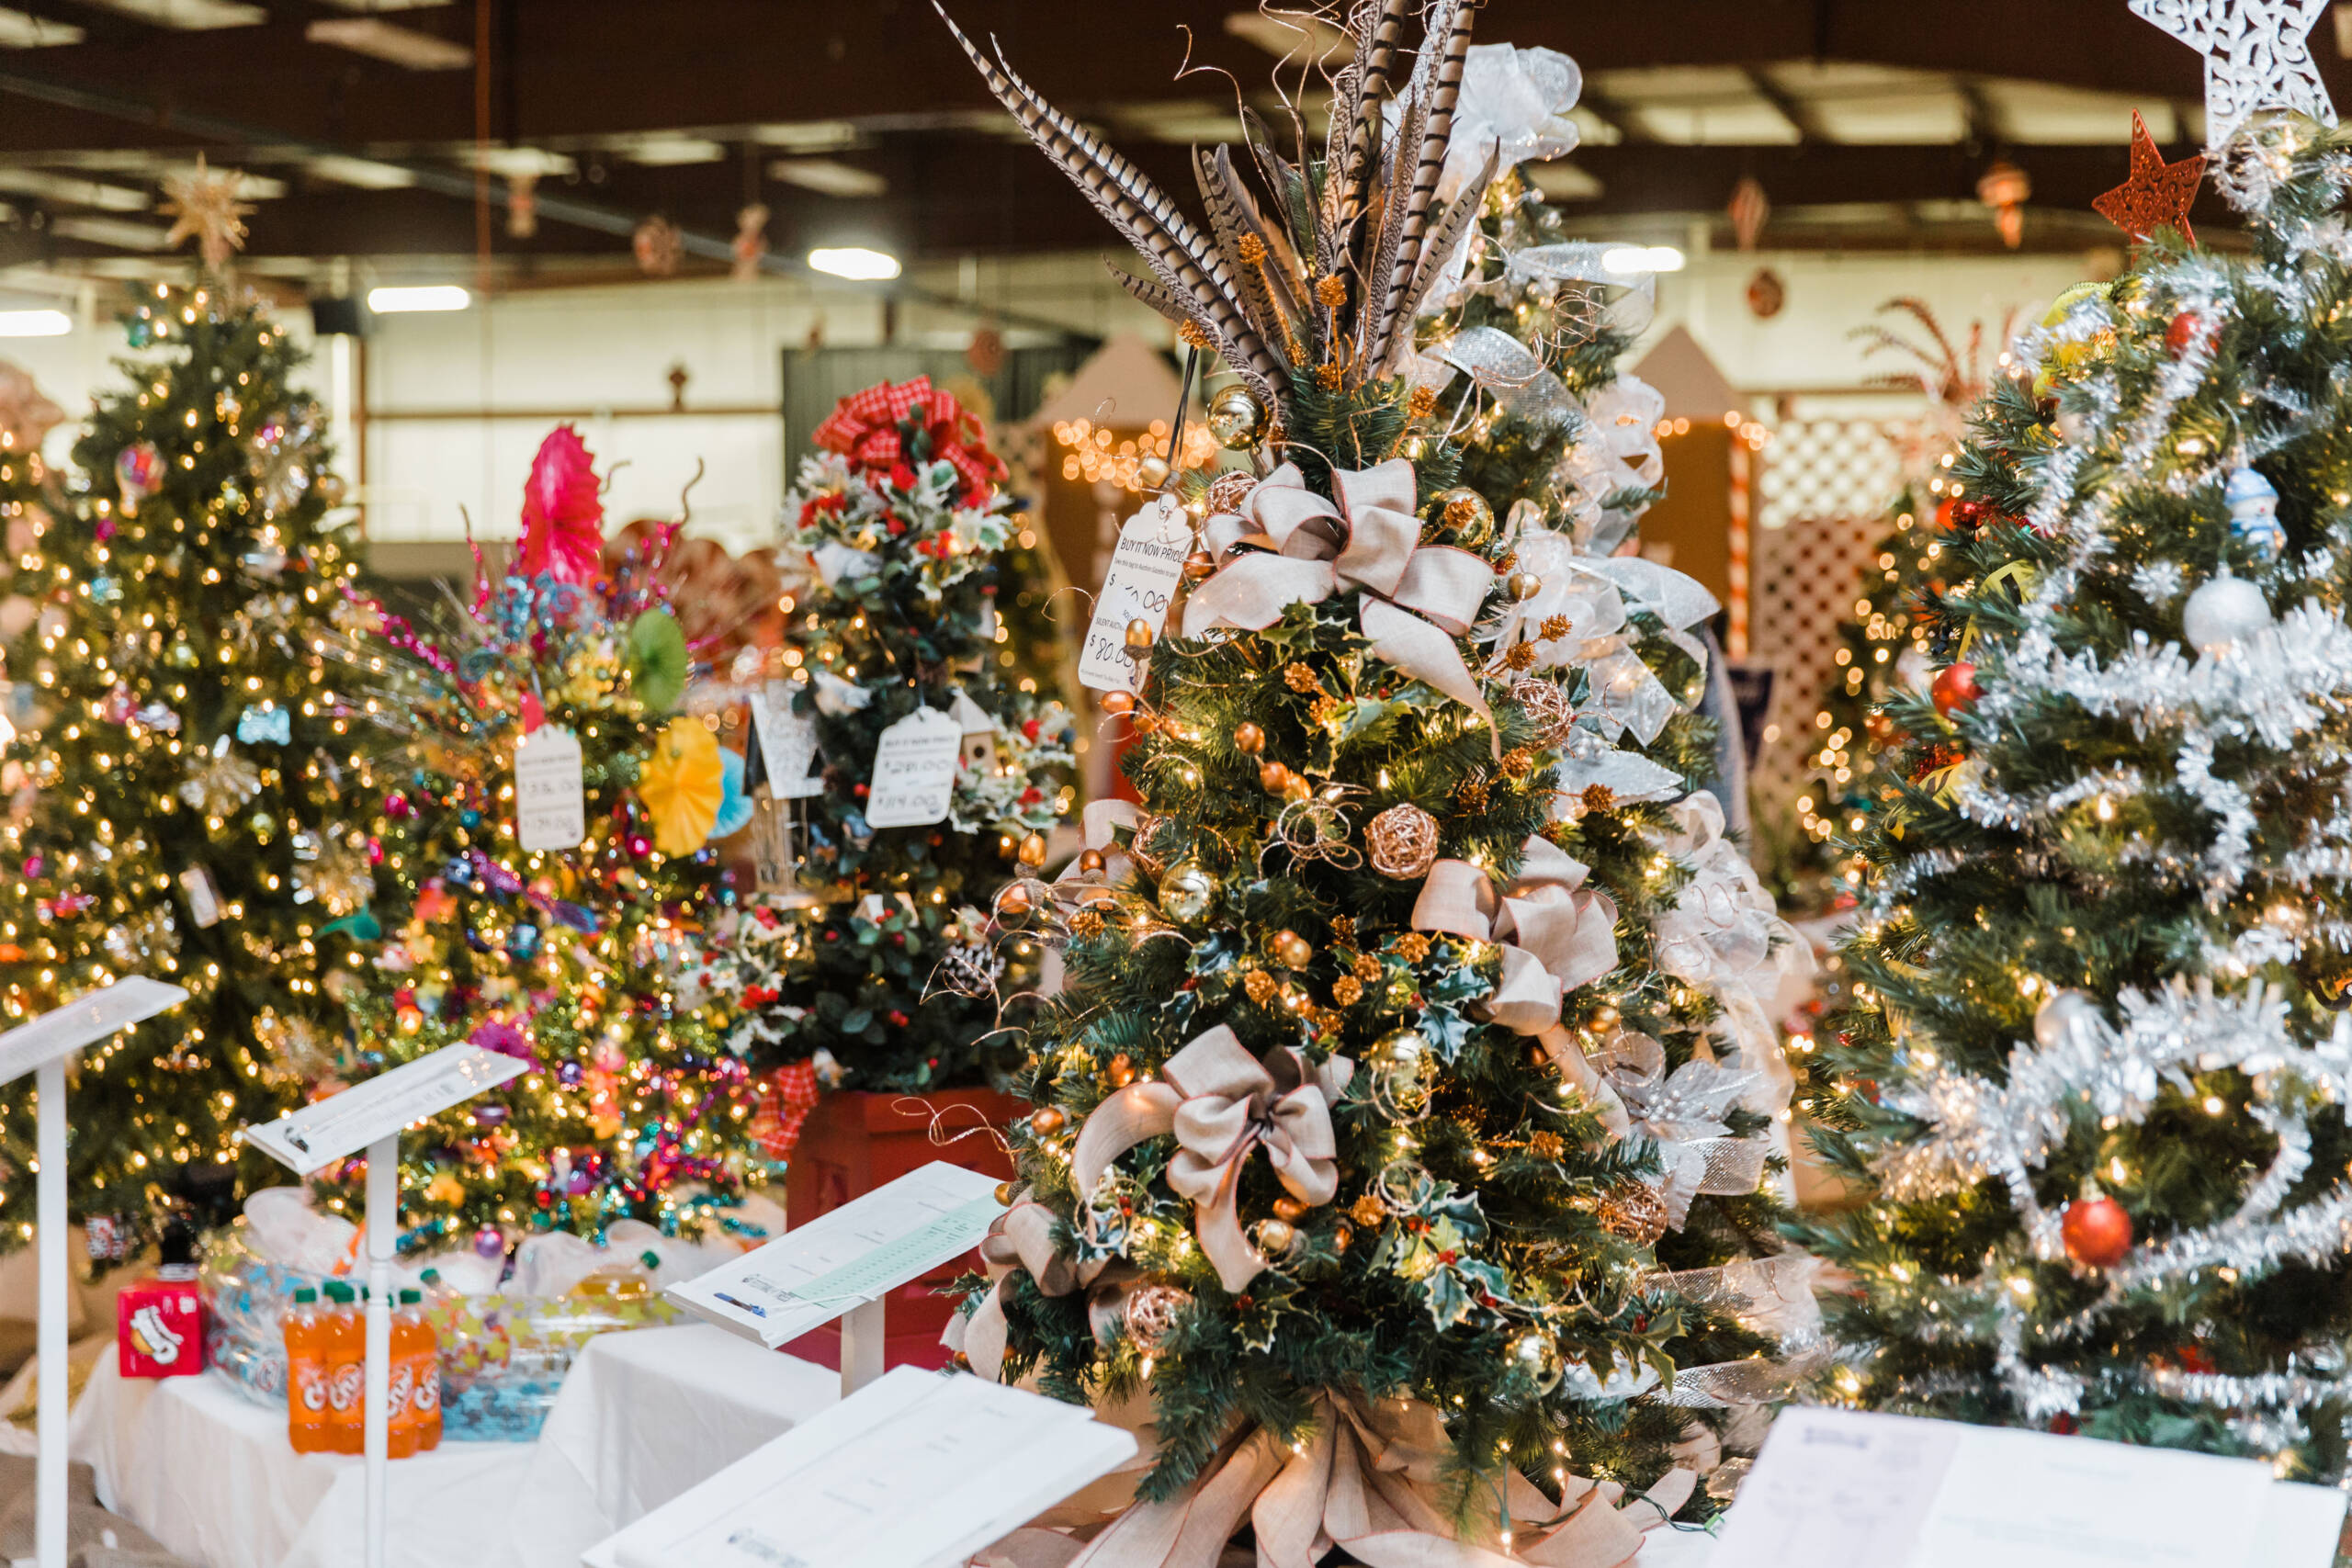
(1440, 87)
(1377, 63)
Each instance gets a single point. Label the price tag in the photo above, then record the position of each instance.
(1140, 585)
(203, 898)
(914, 771)
(787, 743)
(551, 802)
(318, 1134)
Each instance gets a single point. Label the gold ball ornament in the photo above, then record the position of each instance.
(1047, 1121)
(1398, 1070)
(1033, 851)
(1273, 778)
(1403, 841)
(1274, 1237)
(1152, 472)
(1118, 702)
(1091, 862)
(1297, 789)
(1013, 903)
(1140, 636)
(1188, 892)
(1199, 566)
(1249, 739)
(1531, 1355)
(1120, 1069)
(1005, 1193)
(1523, 585)
(1463, 517)
(1290, 1209)
(1291, 950)
(1237, 419)
(1546, 702)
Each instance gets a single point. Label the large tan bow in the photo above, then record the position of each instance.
(1371, 1480)
(1021, 1240)
(1554, 936)
(1416, 601)
(1220, 1104)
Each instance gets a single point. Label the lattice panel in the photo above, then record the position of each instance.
(1824, 493)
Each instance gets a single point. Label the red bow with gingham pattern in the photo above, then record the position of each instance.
(864, 427)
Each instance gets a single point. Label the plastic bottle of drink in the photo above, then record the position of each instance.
(400, 1382)
(628, 1280)
(346, 1348)
(306, 1374)
(416, 1350)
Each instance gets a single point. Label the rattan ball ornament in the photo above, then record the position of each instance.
(1402, 841)
(1548, 704)
(1230, 489)
(1151, 1312)
(1633, 1210)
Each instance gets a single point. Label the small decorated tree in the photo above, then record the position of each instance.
(882, 974)
(1396, 1034)
(550, 839)
(2096, 1075)
(203, 786)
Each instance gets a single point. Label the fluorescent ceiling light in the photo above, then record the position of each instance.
(70, 192)
(806, 135)
(35, 323)
(188, 15)
(386, 4)
(383, 40)
(418, 297)
(365, 173)
(112, 232)
(509, 162)
(854, 262)
(827, 176)
(21, 30)
(1633, 260)
(665, 149)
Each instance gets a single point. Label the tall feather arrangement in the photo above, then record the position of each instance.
(1313, 279)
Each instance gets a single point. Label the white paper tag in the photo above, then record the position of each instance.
(318, 1134)
(550, 801)
(89, 1016)
(787, 743)
(865, 1249)
(1144, 569)
(914, 771)
(203, 898)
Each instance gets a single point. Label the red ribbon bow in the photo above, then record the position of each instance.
(865, 427)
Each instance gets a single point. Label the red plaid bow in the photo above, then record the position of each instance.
(865, 428)
(786, 1096)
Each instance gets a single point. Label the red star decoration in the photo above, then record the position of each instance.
(2158, 193)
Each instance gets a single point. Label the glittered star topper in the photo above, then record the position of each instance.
(2158, 193)
(2256, 56)
(204, 205)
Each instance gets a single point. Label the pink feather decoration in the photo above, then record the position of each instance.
(563, 515)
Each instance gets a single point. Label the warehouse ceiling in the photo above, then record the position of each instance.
(392, 130)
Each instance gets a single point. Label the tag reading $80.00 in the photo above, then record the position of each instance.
(1145, 570)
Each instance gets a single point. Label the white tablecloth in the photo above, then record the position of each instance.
(643, 1416)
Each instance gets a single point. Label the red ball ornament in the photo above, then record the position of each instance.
(1956, 688)
(2096, 1232)
(2187, 330)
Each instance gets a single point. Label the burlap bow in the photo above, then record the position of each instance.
(1370, 1479)
(1416, 601)
(1221, 1104)
(864, 427)
(1021, 1240)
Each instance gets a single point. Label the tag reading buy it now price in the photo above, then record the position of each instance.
(1140, 585)
(550, 801)
(914, 771)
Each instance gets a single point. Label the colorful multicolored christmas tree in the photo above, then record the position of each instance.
(203, 800)
(550, 842)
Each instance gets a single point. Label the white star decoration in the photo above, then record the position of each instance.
(2256, 56)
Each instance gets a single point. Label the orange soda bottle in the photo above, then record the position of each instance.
(306, 1374)
(346, 1357)
(416, 1363)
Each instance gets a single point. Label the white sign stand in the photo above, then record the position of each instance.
(370, 1117)
(919, 1471)
(41, 1048)
(843, 1265)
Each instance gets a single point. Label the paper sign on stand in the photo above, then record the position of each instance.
(1844, 1489)
(918, 1470)
(1146, 567)
(787, 743)
(550, 795)
(370, 1117)
(41, 1048)
(844, 1264)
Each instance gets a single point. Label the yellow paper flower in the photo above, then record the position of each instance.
(682, 784)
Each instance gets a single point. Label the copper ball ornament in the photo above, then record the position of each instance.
(1118, 702)
(1013, 903)
(1006, 1191)
(1033, 851)
(1199, 566)
(1523, 585)
(1047, 1121)
(1273, 778)
(1091, 862)
(1249, 739)
(1291, 950)
(1402, 841)
(1290, 1209)
(1140, 636)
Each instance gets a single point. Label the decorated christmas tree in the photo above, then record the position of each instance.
(551, 843)
(1397, 1031)
(202, 804)
(2097, 1075)
(31, 498)
(938, 770)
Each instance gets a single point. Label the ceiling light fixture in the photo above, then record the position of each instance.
(35, 323)
(401, 301)
(1628, 261)
(855, 261)
(381, 41)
